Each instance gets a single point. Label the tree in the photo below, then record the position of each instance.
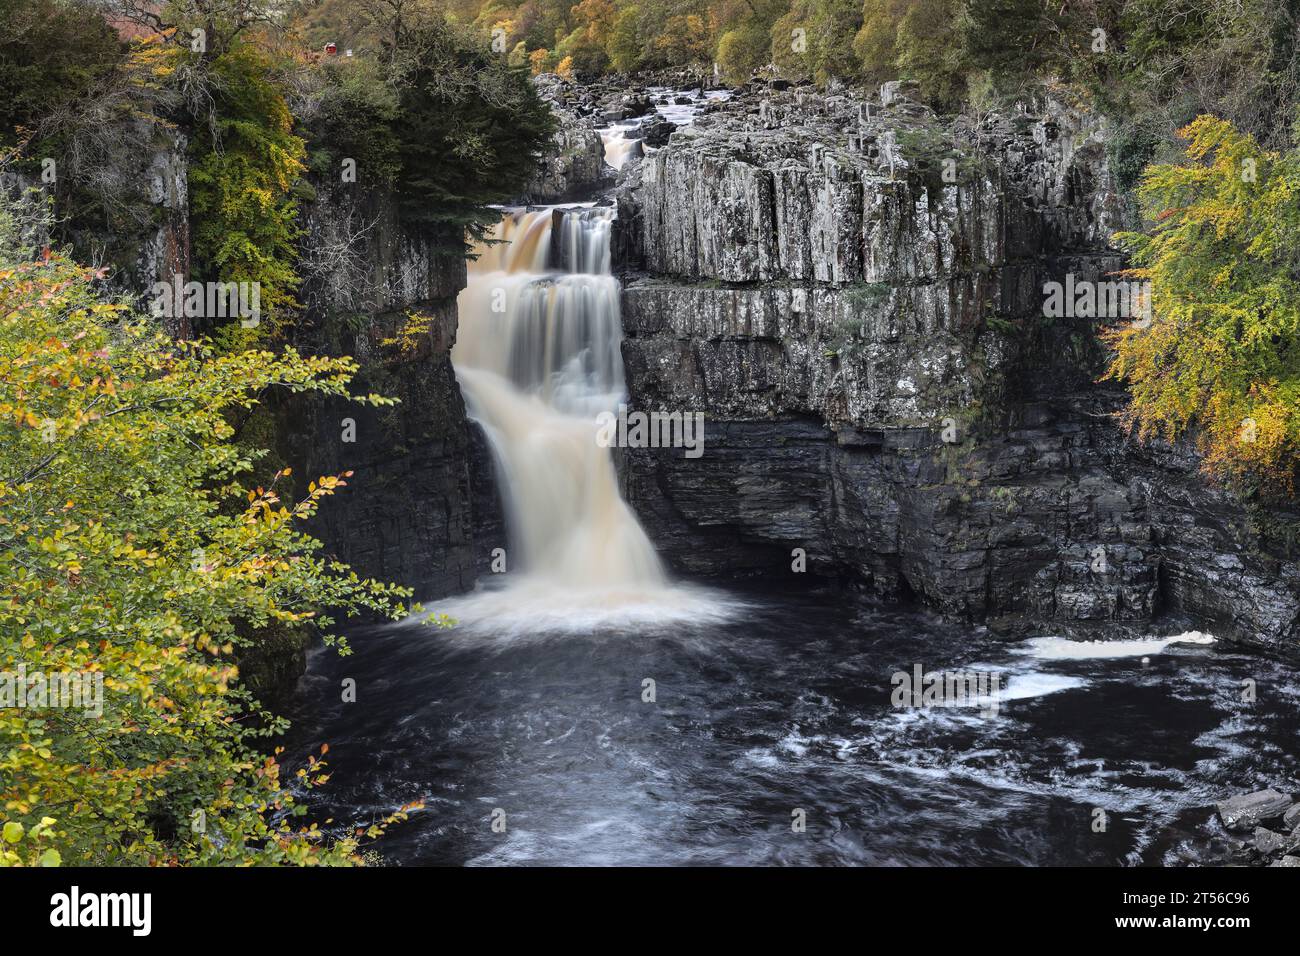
(219, 23)
(1239, 61)
(584, 47)
(470, 129)
(242, 176)
(746, 36)
(876, 43)
(816, 37)
(929, 50)
(1223, 350)
(134, 556)
(623, 47)
(743, 50)
(51, 54)
(683, 41)
(1008, 38)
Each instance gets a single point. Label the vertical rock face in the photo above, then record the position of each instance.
(852, 293)
(149, 240)
(165, 251)
(421, 507)
(575, 168)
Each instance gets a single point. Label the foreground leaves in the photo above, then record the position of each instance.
(133, 553)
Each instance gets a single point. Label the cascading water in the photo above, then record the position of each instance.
(537, 357)
(619, 147)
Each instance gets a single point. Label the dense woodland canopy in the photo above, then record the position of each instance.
(1167, 58)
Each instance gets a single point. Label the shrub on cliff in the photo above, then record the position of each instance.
(132, 557)
(1222, 353)
(246, 160)
(51, 53)
(354, 118)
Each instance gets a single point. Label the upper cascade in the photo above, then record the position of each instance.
(541, 309)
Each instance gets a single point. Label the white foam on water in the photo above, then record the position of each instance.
(1063, 649)
(1026, 686)
(530, 608)
(619, 148)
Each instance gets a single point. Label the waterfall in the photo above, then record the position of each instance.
(619, 148)
(537, 357)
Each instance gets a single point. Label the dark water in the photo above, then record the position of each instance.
(788, 707)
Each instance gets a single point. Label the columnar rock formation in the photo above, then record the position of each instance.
(852, 292)
(575, 168)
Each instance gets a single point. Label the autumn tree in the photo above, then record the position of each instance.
(876, 42)
(1221, 358)
(745, 43)
(816, 38)
(623, 45)
(137, 557)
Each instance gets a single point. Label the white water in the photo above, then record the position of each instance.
(1061, 649)
(622, 140)
(618, 147)
(537, 357)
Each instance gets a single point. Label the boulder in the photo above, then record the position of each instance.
(1268, 843)
(1246, 811)
(656, 132)
(637, 104)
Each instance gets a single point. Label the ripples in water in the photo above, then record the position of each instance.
(768, 706)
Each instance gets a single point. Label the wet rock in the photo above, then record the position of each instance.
(637, 104)
(1268, 843)
(656, 132)
(1291, 819)
(1287, 861)
(1247, 811)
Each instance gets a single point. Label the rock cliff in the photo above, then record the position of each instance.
(851, 290)
(421, 507)
(575, 168)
